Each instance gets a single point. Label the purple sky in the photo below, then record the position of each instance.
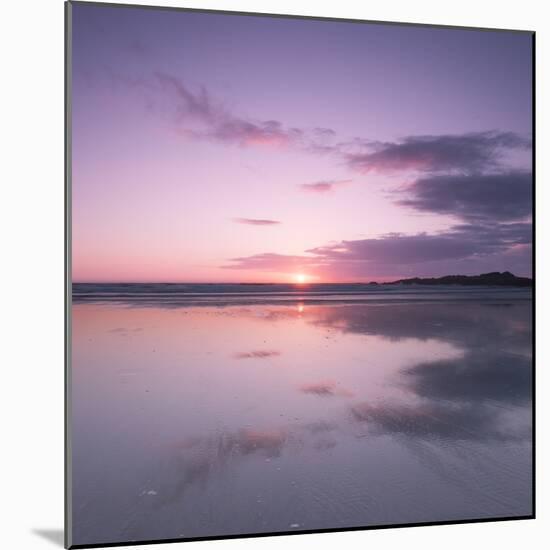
(236, 148)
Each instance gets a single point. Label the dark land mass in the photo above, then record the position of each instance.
(485, 279)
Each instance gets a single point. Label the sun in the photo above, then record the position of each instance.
(300, 278)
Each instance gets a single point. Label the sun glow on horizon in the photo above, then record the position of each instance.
(301, 278)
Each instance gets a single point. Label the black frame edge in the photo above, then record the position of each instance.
(291, 16)
(303, 532)
(534, 276)
(67, 538)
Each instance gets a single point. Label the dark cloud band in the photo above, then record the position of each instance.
(472, 152)
(475, 198)
(390, 254)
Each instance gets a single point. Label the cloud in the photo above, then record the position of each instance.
(475, 198)
(325, 388)
(398, 254)
(199, 117)
(243, 132)
(270, 262)
(400, 249)
(139, 47)
(324, 132)
(256, 354)
(322, 186)
(190, 105)
(465, 153)
(255, 221)
(460, 241)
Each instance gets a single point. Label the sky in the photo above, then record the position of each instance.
(229, 148)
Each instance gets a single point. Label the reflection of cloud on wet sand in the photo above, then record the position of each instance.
(248, 441)
(488, 376)
(320, 426)
(478, 399)
(466, 325)
(197, 459)
(472, 396)
(500, 325)
(123, 331)
(256, 354)
(432, 420)
(483, 396)
(325, 388)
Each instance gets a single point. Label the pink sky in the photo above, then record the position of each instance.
(211, 148)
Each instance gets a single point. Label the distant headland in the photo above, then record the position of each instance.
(494, 278)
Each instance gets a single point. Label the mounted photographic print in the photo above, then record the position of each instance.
(299, 274)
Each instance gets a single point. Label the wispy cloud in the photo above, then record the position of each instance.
(200, 117)
(256, 354)
(321, 187)
(256, 221)
(188, 104)
(325, 388)
(243, 132)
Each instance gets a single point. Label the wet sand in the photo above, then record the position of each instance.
(203, 420)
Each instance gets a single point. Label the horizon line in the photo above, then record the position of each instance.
(312, 283)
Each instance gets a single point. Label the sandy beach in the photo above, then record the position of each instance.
(294, 413)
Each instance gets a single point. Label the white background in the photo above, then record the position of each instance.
(31, 270)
